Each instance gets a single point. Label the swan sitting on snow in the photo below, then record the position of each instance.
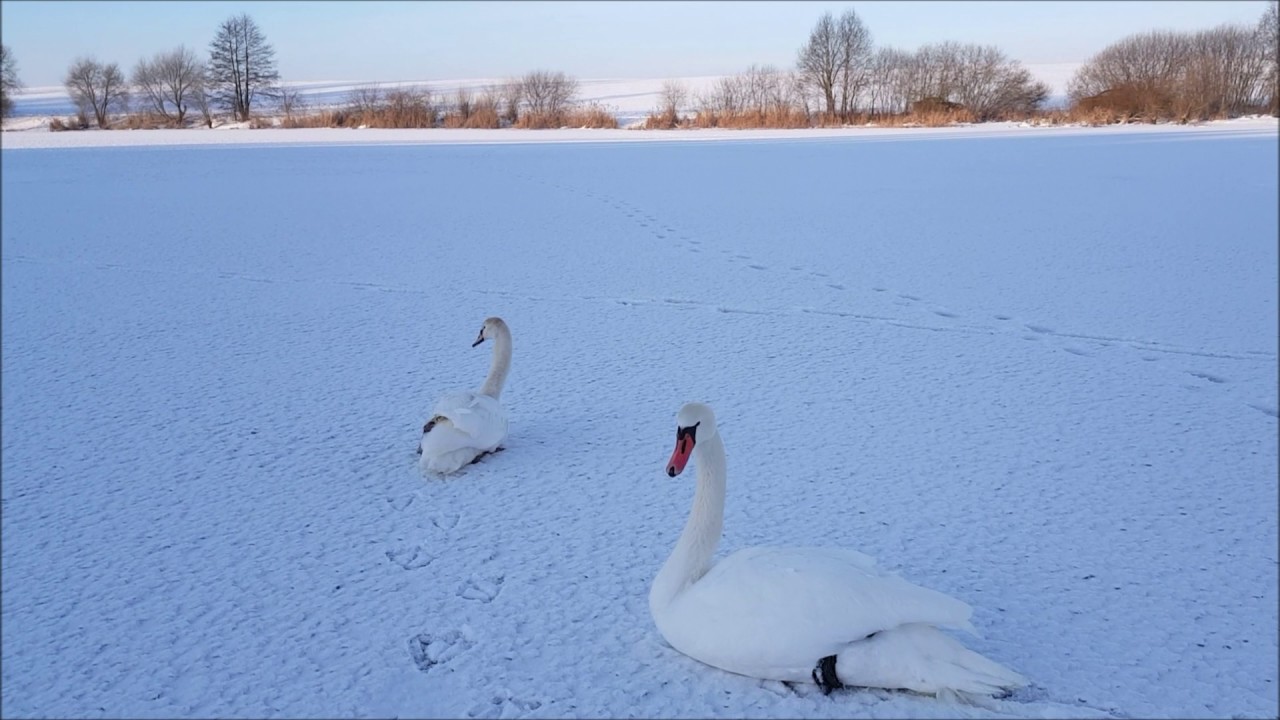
(468, 424)
(822, 615)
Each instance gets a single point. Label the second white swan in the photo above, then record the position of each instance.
(468, 424)
(826, 615)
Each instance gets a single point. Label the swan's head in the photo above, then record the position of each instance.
(489, 330)
(695, 420)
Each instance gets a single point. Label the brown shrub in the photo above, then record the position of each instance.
(591, 116)
(146, 121)
(322, 119)
(60, 125)
(484, 117)
(1128, 102)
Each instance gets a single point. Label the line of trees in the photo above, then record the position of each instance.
(1225, 71)
(840, 77)
(539, 99)
(240, 70)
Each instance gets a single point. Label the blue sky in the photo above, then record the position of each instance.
(386, 41)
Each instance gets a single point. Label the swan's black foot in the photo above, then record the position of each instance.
(824, 674)
(482, 455)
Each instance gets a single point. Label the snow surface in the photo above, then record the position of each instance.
(1033, 369)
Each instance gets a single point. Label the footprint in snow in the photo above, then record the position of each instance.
(429, 650)
(445, 521)
(410, 557)
(502, 705)
(484, 589)
(1042, 329)
(401, 502)
(835, 286)
(1077, 351)
(945, 313)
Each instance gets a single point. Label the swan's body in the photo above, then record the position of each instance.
(804, 614)
(467, 424)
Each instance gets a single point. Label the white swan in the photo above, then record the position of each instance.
(823, 615)
(467, 424)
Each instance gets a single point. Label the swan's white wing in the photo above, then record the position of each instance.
(478, 421)
(795, 606)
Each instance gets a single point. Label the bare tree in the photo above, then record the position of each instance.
(1269, 43)
(1140, 72)
(96, 88)
(9, 83)
(835, 61)
(819, 61)
(671, 98)
(409, 107)
(1217, 72)
(365, 99)
(201, 97)
(509, 96)
(547, 96)
(167, 82)
(291, 102)
(464, 102)
(241, 65)
(886, 87)
(855, 59)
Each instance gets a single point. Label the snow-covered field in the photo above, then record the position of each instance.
(1034, 369)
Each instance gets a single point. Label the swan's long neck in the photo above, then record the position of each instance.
(691, 558)
(499, 366)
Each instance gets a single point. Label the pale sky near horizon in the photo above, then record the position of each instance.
(389, 41)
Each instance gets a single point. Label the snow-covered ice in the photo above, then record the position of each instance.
(1033, 369)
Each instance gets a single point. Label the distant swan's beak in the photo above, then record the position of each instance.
(680, 458)
(478, 340)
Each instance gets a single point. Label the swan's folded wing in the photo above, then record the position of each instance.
(478, 417)
(801, 604)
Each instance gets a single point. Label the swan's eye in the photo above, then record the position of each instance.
(687, 432)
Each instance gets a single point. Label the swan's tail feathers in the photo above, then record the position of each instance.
(924, 659)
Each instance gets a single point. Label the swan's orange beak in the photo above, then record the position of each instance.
(680, 458)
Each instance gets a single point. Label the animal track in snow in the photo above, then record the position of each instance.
(401, 502)
(410, 557)
(429, 650)
(484, 589)
(504, 705)
(1207, 376)
(445, 521)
